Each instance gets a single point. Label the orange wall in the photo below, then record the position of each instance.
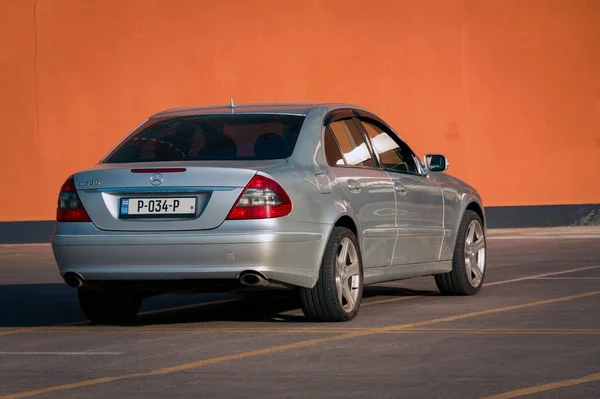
(508, 89)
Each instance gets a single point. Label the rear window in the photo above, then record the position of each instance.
(211, 138)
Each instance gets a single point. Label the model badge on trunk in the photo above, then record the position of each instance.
(89, 183)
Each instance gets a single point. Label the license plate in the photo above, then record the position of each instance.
(153, 207)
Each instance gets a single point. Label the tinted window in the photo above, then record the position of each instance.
(352, 144)
(394, 154)
(332, 151)
(211, 138)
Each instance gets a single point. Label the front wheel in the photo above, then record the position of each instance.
(109, 307)
(469, 260)
(338, 292)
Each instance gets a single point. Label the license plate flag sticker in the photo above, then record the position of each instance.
(125, 207)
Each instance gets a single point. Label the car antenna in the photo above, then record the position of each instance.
(232, 104)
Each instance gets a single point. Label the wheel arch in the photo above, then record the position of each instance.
(453, 282)
(321, 302)
(467, 203)
(343, 220)
(347, 222)
(476, 207)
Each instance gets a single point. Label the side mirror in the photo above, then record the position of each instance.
(436, 162)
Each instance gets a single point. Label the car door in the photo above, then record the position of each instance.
(367, 188)
(419, 202)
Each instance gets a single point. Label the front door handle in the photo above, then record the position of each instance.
(353, 186)
(400, 188)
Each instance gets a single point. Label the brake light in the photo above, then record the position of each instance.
(262, 198)
(158, 170)
(70, 208)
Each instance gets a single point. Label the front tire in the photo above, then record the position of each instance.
(109, 307)
(469, 260)
(338, 292)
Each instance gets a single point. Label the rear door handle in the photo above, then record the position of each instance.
(353, 186)
(399, 187)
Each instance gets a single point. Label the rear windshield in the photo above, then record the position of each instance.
(211, 138)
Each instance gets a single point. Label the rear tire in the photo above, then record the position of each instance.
(469, 259)
(338, 292)
(109, 307)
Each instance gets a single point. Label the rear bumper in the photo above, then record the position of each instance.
(289, 253)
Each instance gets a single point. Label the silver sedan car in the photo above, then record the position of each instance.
(317, 198)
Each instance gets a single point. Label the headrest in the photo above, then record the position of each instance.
(268, 146)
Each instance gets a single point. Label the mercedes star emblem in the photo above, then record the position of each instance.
(156, 179)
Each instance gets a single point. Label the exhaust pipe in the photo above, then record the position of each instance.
(74, 280)
(253, 279)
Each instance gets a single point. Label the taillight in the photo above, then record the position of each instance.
(262, 198)
(70, 208)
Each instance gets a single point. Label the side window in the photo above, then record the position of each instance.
(394, 154)
(332, 151)
(354, 149)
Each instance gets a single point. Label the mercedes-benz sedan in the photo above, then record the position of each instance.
(318, 198)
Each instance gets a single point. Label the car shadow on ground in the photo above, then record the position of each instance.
(263, 307)
(39, 305)
(35, 305)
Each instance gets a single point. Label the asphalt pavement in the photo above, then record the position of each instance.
(533, 331)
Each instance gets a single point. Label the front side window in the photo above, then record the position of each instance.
(354, 149)
(211, 138)
(394, 154)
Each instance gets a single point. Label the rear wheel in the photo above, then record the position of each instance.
(469, 260)
(109, 307)
(338, 292)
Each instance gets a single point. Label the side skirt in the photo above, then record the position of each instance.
(399, 272)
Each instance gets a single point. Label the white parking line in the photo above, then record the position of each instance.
(514, 280)
(62, 353)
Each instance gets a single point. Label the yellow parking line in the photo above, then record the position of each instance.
(404, 298)
(280, 348)
(149, 312)
(259, 352)
(136, 330)
(584, 330)
(568, 278)
(186, 366)
(537, 276)
(297, 312)
(56, 328)
(546, 387)
(510, 330)
(191, 306)
(40, 328)
(17, 331)
(497, 331)
(491, 332)
(502, 309)
(95, 381)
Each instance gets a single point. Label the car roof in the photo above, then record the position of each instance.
(252, 108)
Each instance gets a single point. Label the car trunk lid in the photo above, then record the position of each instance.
(124, 197)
